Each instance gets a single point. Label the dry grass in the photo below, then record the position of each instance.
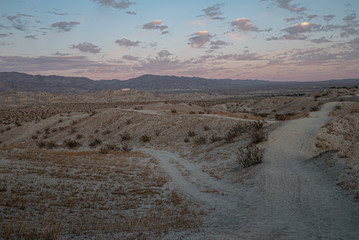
(47, 194)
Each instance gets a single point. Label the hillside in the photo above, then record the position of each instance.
(14, 81)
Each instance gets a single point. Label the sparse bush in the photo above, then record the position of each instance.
(48, 145)
(60, 121)
(106, 132)
(314, 108)
(173, 111)
(96, 131)
(200, 140)
(192, 112)
(34, 136)
(95, 142)
(258, 136)
(103, 150)
(128, 121)
(257, 125)
(186, 140)
(250, 155)
(125, 136)
(229, 137)
(145, 138)
(73, 130)
(157, 132)
(215, 138)
(79, 136)
(18, 124)
(191, 134)
(71, 143)
(126, 148)
(206, 128)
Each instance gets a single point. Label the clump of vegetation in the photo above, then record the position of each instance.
(70, 143)
(157, 132)
(106, 132)
(215, 138)
(34, 136)
(191, 134)
(250, 155)
(125, 136)
(73, 130)
(284, 116)
(79, 136)
(314, 108)
(200, 140)
(173, 111)
(95, 142)
(145, 138)
(258, 136)
(206, 128)
(46, 144)
(126, 148)
(186, 140)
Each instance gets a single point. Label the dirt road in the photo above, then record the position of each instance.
(290, 198)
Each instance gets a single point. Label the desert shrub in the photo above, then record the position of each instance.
(284, 116)
(128, 121)
(206, 128)
(191, 112)
(60, 121)
(126, 148)
(173, 111)
(79, 136)
(215, 138)
(186, 140)
(258, 136)
(157, 132)
(257, 125)
(250, 155)
(125, 136)
(263, 115)
(145, 138)
(71, 143)
(191, 134)
(104, 150)
(106, 132)
(314, 108)
(95, 142)
(96, 131)
(54, 130)
(200, 140)
(112, 147)
(48, 145)
(73, 130)
(18, 124)
(34, 136)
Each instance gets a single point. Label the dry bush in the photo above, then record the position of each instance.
(126, 148)
(173, 111)
(70, 143)
(215, 138)
(191, 134)
(106, 132)
(250, 155)
(258, 136)
(200, 140)
(145, 138)
(79, 136)
(125, 136)
(186, 140)
(95, 142)
(284, 116)
(45, 144)
(206, 128)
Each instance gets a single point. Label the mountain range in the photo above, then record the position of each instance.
(15, 81)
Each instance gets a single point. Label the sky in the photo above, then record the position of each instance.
(278, 40)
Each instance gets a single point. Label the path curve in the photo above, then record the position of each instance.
(290, 199)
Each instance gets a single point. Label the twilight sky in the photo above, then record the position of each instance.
(280, 40)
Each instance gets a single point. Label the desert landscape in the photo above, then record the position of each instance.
(205, 119)
(173, 166)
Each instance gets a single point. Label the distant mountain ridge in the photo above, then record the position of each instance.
(15, 81)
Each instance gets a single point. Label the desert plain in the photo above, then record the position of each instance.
(139, 165)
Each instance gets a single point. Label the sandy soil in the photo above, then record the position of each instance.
(184, 170)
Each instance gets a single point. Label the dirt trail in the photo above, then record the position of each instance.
(290, 198)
